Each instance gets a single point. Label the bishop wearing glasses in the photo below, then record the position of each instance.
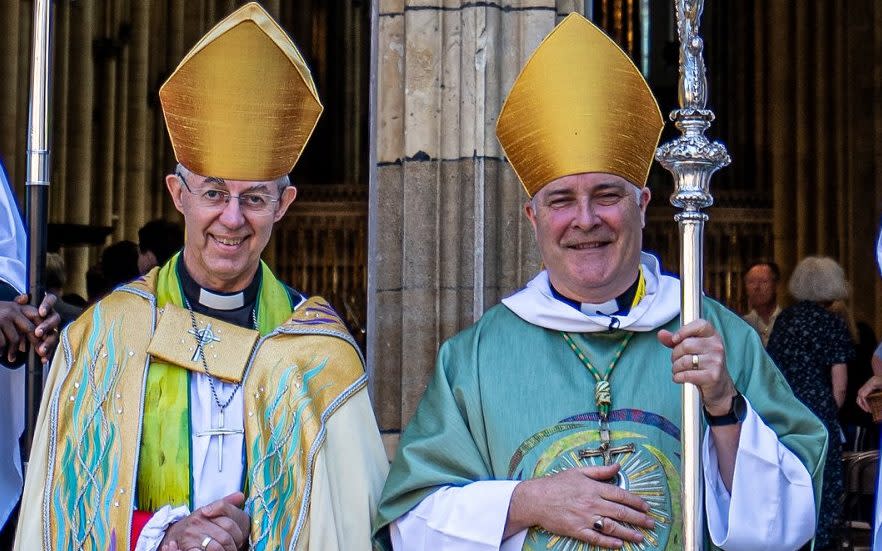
(209, 405)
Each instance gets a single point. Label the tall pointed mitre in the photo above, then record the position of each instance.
(579, 105)
(242, 104)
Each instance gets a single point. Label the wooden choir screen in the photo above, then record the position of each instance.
(734, 238)
(320, 248)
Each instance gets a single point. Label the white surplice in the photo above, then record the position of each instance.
(13, 255)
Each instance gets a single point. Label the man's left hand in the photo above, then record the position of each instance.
(700, 341)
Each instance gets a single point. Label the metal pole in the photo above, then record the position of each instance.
(692, 159)
(37, 201)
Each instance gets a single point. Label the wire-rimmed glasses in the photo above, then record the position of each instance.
(260, 204)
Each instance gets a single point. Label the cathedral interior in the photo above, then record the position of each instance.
(795, 87)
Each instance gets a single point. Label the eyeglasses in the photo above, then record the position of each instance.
(260, 204)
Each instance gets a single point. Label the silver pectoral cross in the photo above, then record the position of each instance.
(220, 432)
(203, 337)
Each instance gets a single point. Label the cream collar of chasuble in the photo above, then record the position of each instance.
(536, 304)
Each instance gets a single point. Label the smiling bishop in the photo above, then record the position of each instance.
(563, 403)
(208, 405)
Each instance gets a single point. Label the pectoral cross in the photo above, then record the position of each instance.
(203, 337)
(220, 432)
(605, 450)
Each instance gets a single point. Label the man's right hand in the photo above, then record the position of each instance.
(15, 327)
(223, 521)
(570, 502)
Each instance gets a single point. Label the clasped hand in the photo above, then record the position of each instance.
(223, 524)
(21, 323)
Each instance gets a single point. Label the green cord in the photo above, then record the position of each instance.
(602, 388)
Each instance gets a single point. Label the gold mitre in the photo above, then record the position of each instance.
(579, 105)
(242, 104)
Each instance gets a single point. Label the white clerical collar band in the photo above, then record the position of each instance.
(606, 308)
(221, 302)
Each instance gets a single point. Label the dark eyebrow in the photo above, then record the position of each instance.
(259, 188)
(214, 180)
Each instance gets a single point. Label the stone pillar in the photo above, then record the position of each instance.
(136, 148)
(9, 86)
(448, 238)
(75, 181)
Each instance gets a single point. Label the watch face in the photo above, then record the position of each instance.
(739, 407)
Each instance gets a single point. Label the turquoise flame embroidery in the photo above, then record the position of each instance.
(89, 471)
(277, 490)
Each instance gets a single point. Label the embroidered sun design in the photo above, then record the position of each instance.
(644, 472)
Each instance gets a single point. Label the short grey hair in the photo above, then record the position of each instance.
(819, 279)
(281, 182)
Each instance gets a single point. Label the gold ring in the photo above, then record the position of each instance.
(598, 524)
(205, 543)
(695, 361)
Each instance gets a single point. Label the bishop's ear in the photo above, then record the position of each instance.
(175, 189)
(288, 196)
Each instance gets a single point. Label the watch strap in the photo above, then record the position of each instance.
(736, 414)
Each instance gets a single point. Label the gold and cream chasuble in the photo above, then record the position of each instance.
(314, 461)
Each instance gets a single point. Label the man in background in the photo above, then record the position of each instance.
(761, 281)
(158, 240)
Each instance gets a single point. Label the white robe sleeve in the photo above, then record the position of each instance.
(772, 504)
(470, 518)
(153, 532)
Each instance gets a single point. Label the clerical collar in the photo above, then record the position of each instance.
(235, 307)
(619, 306)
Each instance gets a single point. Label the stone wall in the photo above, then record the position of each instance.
(449, 237)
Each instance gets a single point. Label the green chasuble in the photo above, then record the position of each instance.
(510, 400)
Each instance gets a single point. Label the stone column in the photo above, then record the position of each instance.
(136, 148)
(9, 86)
(448, 238)
(75, 155)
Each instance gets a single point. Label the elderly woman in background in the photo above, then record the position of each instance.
(812, 345)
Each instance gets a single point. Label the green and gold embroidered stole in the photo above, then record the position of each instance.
(164, 469)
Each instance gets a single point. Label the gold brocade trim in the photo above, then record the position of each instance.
(287, 405)
(97, 412)
(175, 342)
